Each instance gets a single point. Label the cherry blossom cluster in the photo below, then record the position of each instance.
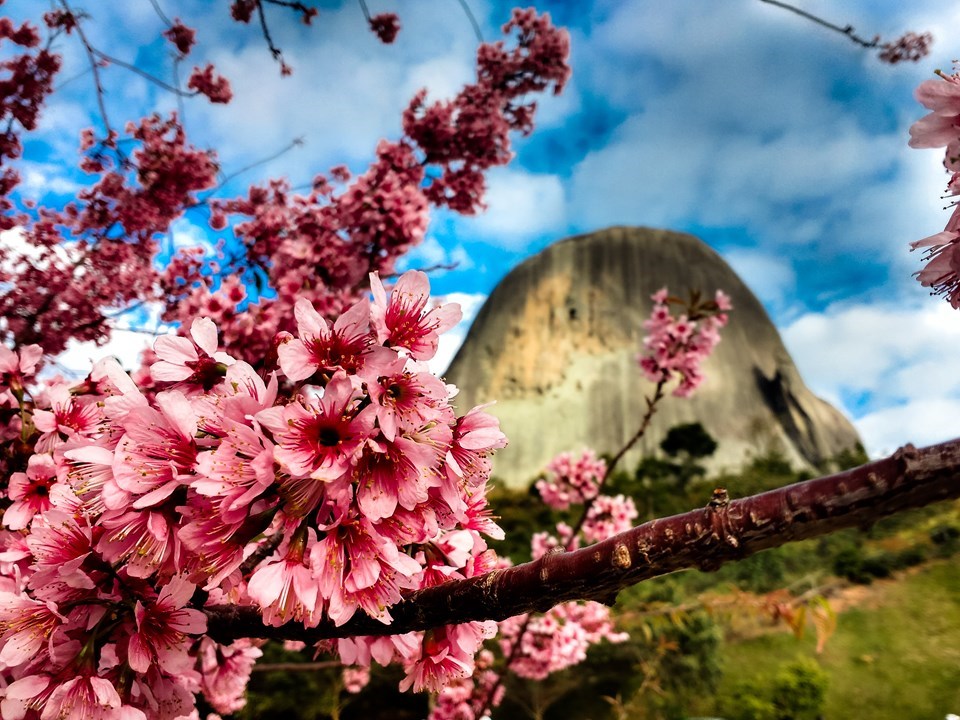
(557, 639)
(941, 128)
(322, 245)
(674, 347)
(570, 479)
(467, 698)
(26, 79)
(331, 484)
(910, 47)
(385, 26)
(98, 251)
(83, 263)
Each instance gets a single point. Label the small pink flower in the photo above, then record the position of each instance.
(158, 450)
(355, 679)
(320, 438)
(30, 491)
(356, 567)
(404, 400)
(29, 693)
(68, 416)
(385, 26)
(145, 540)
(675, 347)
(446, 653)
(181, 36)
(17, 366)
(208, 82)
(25, 627)
(404, 321)
(60, 545)
(285, 589)
(910, 47)
(571, 480)
(163, 627)
(196, 363)
(226, 670)
(85, 696)
(608, 515)
(321, 347)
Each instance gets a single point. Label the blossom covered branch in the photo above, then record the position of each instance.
(723, 531)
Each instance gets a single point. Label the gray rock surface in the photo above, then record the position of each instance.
(555, 347)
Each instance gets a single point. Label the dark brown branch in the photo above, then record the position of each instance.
(297, 666)
(265, 29)
(704, 538)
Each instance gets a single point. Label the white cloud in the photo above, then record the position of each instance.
(921, 422)
(520, 206)
(38, 179)
(895, 368)
(433, 256)
(125, 345)
(450, 341)
(769, 276)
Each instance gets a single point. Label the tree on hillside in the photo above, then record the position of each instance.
(285, 467)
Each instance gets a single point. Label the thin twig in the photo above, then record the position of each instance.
(144, 74)
(641, 431)
(846, 30)
(296, 142)
(94, 67)
(163, 18)
(274, 50)
(473, 20)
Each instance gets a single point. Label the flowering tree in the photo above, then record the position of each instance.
(293, 471)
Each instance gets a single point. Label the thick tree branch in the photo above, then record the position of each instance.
(704, 538)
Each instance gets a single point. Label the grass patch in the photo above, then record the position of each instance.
(895, 658)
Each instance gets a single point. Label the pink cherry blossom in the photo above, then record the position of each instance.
(25, 627)
(226, 670)
(68, 416)
(404, 321)
(322, 347)
(84, 696)
(942, 126)
(675, 348)
(285, 587)
(195, 364)
(30, 492)
(445, 653)
(571, 480)
(608, 515)
(162, 628)
(320, 437)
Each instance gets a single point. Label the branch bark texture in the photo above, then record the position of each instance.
(704, 538)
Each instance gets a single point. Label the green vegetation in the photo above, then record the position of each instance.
(897, 656)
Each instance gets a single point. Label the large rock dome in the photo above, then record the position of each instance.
(555, 347)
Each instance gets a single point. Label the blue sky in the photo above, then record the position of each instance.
(781, 144)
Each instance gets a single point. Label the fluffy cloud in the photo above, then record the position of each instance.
(520, 206)
(769, 276)
(893, 369)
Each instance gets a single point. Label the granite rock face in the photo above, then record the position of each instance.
(555, 347)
